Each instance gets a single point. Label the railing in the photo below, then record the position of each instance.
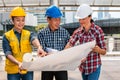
(0, 43)
(116, 44)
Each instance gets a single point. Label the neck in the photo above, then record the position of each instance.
(18, 30)
(53, 29)
(87, 27)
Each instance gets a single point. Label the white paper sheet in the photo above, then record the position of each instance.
(51, 51)
(68, 59)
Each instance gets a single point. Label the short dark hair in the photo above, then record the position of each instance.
(49, 17)
(13, 18)
(89, 15)
(91, 19)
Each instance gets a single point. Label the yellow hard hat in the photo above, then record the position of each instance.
(18, 11)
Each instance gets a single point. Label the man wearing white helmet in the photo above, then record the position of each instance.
(88, 31)
(55, 37)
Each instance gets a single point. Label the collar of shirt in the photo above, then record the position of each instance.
(16, 32)
(49, 30)
(18, 35)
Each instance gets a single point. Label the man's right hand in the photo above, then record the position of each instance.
(41, 52)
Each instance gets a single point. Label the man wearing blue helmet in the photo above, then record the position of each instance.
(55, 37)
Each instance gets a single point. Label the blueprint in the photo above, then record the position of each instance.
(68, 59)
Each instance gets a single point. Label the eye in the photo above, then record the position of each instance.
(17, 20)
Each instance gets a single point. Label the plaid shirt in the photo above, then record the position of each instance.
(95, 33)
(53, 39)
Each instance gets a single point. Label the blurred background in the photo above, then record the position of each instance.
(106, 14)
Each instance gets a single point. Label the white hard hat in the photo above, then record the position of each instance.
(83, 11)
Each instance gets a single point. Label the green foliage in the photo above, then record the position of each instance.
(40, 26)
(30, 28)
(1, 32)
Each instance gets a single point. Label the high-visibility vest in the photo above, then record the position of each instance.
(18, 49)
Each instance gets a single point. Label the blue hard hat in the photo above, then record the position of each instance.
(53, 12)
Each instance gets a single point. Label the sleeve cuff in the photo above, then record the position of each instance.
(8, 52)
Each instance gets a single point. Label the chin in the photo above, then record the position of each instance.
(57, 27)
(20, 28)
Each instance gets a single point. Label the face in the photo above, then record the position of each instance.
(54, 23)
(19, 23)
(85, 21)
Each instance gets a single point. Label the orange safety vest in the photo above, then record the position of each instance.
(18, 49)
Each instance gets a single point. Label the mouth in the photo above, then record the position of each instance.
(57, 26)
(20, 25)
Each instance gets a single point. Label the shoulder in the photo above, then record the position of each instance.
(98, 28)
(63, 29)
(8, 32)
(77, 31)
(26, 31)
(43, 31)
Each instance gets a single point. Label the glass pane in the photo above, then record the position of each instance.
(12, 2)
(36, 2)
(90, 2)
(102, 2)
(67, 2)
(116, 2)
(44, 2)
(1, 3)
(30, 2)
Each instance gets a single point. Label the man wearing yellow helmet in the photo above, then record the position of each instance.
(16, 43)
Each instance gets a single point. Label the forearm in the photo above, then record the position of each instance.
(102, 51)
(36, 43)
(11, 58)
(40, 51)
(99, 50)
(67, 46)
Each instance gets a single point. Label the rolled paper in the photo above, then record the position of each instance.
(27, 57)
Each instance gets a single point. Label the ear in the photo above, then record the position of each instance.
(90, 17)
(48, 19)
(12, 21)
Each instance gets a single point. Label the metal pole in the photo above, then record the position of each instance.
(54, 2)
(51, 2)
(5, 25)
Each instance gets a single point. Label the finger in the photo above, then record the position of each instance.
(42, 55)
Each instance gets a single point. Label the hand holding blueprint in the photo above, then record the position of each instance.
(68, 59)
